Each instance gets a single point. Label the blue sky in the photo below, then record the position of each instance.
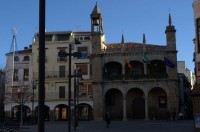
(130, 17)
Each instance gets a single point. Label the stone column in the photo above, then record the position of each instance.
(123, 71)
(124, 109)
(146, 109)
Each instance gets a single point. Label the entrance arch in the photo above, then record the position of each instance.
(16, 112)
(60, 112)
(84, 112)
(157, 103)
(114, 104)
(135, 104)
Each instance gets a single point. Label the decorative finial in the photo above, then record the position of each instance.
(122, 39)
(144, 39)
(122, 42)
(170, 20)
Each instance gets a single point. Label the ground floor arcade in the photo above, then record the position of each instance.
(54, 111)
(138, 100)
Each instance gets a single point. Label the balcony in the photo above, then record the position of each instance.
(53, 96)
(53, 74)
(134, 76)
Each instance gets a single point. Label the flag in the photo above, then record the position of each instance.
(169, 63)
(128, 63)
(145, 59)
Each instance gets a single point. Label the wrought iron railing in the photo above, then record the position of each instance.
(131, 76)
(53, 74)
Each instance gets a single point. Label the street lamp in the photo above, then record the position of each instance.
(70, 54)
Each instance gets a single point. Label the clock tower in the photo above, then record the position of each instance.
(97, 33)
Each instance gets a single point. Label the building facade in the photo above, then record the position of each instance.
(128, 80)
(132, 80)
(18, 83)
(196, 88)
(186, 82)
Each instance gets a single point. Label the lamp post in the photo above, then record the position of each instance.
(70, 54)
(75, 87)
(41, 84)
(69, 90)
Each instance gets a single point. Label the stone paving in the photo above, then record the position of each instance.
(119, 126)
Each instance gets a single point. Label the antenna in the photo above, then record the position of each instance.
(10, 64)
(13, 47)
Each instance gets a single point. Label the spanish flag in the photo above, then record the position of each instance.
(128, 63)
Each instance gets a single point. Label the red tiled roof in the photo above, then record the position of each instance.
(130, 45)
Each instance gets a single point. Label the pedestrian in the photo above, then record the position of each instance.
(107, 118)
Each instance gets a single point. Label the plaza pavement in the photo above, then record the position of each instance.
(119, 126)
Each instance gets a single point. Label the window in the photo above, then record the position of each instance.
(198, 34)
(83, 68)
(26, 74)
(26, 58)
(198, 66)
(62, 58)
(16, 58)
(81, 39)
(62, 71)
(84, 52)
(15, 75)
(87, 38)
(86, 90)
(62, 92)
(83, 90)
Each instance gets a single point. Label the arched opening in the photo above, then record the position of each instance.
(114, 104)
(60, 112)
(112, 70)
(84, 112)
(26, 113)
(134, 70)
(156, 69)
(157, 100)
(16, 58)
(26, 58)
(135, 103)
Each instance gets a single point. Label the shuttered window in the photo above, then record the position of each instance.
(83, 67)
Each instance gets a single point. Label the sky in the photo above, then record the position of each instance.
(131, 18)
